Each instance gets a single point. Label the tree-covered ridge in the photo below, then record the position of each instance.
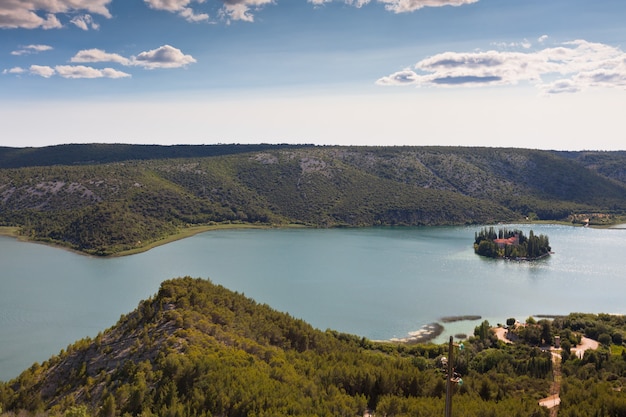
(100, 153)
(197, 349)
(510, 244)
(105, 208)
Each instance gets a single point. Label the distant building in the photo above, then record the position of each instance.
(513, 240)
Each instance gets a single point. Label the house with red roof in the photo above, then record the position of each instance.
(513, 240)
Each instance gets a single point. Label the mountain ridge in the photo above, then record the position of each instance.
(106, 208)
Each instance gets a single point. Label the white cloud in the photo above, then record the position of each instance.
(192, 16)
(402, 6)
(42, 70)
(576, 65)
(81, 71)
(181, 7)
(33, 14)
(31, 49)
(70, 71)
(14, 70)
(241, 9)
(164, 57)
(403, 77)
(168, 5)
(85, 22)
(98, 55)
(231, 9)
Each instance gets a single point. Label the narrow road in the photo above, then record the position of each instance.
(552, 402)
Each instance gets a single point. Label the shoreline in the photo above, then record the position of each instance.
(431, 332)
(183, 233)
(10, 231)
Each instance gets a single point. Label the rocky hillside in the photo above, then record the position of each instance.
(111, 204)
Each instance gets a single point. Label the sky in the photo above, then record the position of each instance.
(504, 73)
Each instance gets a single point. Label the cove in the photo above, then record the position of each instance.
(378, 283)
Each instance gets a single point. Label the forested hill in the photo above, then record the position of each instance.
(196, 349)
(103, 199)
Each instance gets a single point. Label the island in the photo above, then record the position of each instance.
(511, 244)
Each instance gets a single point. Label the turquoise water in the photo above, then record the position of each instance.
(376, 282)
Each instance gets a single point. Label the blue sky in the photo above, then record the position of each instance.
(520, 73)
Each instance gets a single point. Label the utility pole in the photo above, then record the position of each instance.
(452, 377)
(449, 377)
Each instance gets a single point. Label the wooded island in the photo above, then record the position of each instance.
(510, 244)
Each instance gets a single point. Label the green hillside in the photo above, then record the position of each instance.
(91, 204)
(198, 349)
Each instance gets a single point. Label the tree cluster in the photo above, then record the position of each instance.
(531, 247)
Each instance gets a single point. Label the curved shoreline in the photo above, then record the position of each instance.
(183, 233)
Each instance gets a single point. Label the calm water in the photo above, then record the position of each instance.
(378, 283)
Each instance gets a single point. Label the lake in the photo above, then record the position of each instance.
(374, 282)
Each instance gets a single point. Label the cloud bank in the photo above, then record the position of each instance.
(567, 68)
(43, 14)
(230, 9)
(165, 57)
(402, 6)
(244, 10)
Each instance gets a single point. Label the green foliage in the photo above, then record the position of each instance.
(535, 333)
(197, 349)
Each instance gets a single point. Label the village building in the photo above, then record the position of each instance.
(513, 240)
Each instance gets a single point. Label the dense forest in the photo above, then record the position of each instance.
(107, 199)
(198, 349)
(510, 244)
